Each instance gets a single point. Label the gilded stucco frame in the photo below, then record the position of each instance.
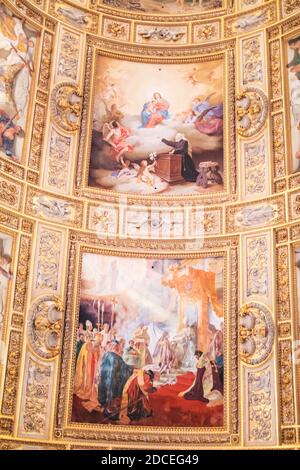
(65, 428)
(221, 51)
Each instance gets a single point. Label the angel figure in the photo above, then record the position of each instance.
(116, 135)
(112, 113)
(144, 174)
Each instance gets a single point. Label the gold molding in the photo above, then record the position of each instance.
(66, 429)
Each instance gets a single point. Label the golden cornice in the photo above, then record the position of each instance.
(44, 13)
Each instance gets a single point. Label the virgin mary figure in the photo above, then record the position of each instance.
(155, 111)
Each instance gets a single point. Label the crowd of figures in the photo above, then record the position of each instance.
(116, 378)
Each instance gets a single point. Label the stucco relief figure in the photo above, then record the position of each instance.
(137, 337)
(52, 208)
(17, 43)
(256, 215)
(74, 15)
(162, 34)
(251, 21)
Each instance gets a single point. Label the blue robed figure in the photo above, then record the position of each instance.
(114, 374)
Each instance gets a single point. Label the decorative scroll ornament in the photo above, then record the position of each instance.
(256, 333)
(290, 6)
(45, 326)
(260, 401)
(66, 106)
(252, 111)
(37, 396)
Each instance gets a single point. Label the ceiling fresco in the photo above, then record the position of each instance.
(149, 224)
(165, 7)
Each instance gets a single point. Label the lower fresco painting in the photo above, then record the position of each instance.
(149, 342)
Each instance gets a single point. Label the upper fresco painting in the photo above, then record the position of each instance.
(165, 7)
(158, 128)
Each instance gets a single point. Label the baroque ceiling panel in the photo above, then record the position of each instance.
(149, 224)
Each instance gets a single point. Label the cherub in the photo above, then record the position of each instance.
(144, 174)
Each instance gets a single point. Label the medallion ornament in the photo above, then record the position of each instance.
(256, 333)
(45, 326)
(252, 111)
(66, 106)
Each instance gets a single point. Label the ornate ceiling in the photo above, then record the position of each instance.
(222, 79)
